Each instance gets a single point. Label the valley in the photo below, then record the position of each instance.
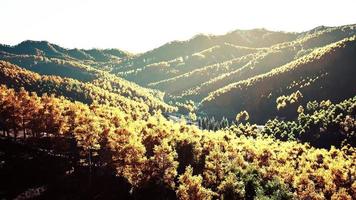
(250, 114)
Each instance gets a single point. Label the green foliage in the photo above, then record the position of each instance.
(198, 81)
(256, 187)
(321, 124)
(184, 56)
(210, 123)
(44, 48)
(330, 64)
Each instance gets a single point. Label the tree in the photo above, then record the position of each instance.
(192, 116)
(87, 134)
(51, 112)
(191, 187)
(242, 116)
(28, 108)
(5, 108)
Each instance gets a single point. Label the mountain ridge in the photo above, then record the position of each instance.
(178, 71)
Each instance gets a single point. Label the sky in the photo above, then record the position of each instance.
(141, 25)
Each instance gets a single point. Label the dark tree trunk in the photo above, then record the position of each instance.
(24, 129)
(90, 162)
(15, 135)
(90, 168)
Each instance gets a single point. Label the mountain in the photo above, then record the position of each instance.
(200, 74)
(50, 59)
(181, 71)
(322, 74)
(107, 89)
(193, 69)
(251, 114)
(198, 83)
(181, 54)
(154, 73)
(88, 67)
(44, 48)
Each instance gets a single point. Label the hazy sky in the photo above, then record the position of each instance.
(140, 25)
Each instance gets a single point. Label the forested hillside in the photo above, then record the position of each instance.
(274, 57)
(216, 57)
(44, 48)
(186, 49)
(323, 74)
(89, 68)
(106, 90)
(180, 70)
(160, 159)
(251, 114)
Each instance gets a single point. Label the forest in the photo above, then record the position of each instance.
(252, 114)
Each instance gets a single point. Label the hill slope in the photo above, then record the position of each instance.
(86, 66)
(323, 74)
(198, 83)
(44, 48)
(190, 54)
(107, 89)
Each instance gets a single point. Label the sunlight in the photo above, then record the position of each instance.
(139, 25)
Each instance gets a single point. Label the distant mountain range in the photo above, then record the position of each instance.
(44, 48)
(223, 75)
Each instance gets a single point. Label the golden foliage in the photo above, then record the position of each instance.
(155, 150)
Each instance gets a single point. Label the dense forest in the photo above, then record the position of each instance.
(325, 72)
(252, 114)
